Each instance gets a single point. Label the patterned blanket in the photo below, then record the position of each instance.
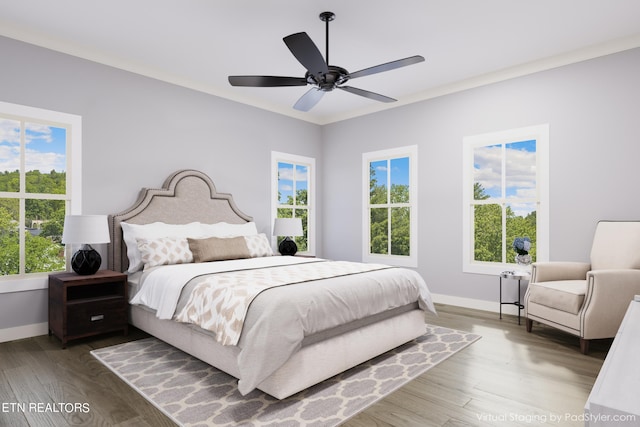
(220, 303)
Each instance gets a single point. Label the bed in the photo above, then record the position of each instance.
(305, 342)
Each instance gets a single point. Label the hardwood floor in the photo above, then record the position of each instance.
(508, 377)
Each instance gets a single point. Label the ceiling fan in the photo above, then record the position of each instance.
(323, 77)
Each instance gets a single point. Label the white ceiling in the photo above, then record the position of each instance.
(198, 43)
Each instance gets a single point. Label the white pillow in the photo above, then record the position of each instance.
(164, 251)
(224, 229)
(132, 232)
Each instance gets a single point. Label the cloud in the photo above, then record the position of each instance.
(45, 162)
(36, 159)
(38, 131)
(9, 157)
(9, 131)
(522, 209)
(287, 174)
(520, 169)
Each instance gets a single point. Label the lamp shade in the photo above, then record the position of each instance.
(85, 229)
(287, 227)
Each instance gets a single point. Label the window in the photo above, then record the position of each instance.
(390, 206)
(293, 195)
(505, 196)
(36, 151)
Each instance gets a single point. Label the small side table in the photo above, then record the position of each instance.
(513, 275)
(82, 306)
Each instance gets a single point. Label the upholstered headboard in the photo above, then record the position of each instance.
(186, 196)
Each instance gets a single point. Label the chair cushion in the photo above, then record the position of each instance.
(563, 295)
(615, 245)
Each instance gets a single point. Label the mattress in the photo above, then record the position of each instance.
(282, 320)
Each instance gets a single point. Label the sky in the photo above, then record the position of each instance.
(291, 176)
(399, 171)
(519, 173)
(45, 147)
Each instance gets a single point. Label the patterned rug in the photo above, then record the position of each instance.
(193, 393)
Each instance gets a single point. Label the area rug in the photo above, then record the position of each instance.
(193, 393)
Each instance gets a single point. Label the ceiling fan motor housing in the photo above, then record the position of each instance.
(329, 80)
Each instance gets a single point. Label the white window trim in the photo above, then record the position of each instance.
(541, 134)
(393, 153)
(74, 182)
(276, 157)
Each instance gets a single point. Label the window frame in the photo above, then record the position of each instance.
(539, 133)
(32, 281)
(411, 152)
(310, 163)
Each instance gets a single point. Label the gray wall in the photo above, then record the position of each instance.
(137, 130)
(593, 111)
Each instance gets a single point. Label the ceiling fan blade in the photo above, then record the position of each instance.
(367, 94)
(266, 81)
(307, 53)
(387, 67)
(309, 99)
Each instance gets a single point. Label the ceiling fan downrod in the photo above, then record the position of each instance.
(327, 17)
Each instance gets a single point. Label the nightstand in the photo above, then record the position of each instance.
(83, 306)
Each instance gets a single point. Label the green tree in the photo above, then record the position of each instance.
(488, 239)
(301, 200)
(42, 255)
(520, 226)
(43, 251)
(9, 244)
(400, 218)
(377, 192)
(10, 181)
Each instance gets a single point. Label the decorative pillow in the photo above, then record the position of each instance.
(258, 245)
(132, 232)
(218, 249)
(164, 251)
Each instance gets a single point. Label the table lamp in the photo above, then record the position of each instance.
(85, 230)
(287, 227)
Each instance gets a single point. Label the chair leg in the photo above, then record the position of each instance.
(584, 345)
(529, 324)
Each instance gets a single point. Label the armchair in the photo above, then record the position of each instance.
(588, 300)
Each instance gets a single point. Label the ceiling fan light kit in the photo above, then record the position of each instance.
(322, 76)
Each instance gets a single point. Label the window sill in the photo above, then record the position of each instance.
(396, 261)
(21, 284)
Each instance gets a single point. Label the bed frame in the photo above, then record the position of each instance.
(189, 195)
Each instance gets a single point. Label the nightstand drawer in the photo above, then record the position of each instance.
(97, 316)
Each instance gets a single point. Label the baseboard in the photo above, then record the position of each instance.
(26, 331)
(476, 304)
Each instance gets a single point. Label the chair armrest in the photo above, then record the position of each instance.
(558, 270)
(609, 293)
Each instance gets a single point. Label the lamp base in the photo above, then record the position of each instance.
(288, 247)
(86, 261)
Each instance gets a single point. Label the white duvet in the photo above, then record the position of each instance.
(161, 287)
(280, 318)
